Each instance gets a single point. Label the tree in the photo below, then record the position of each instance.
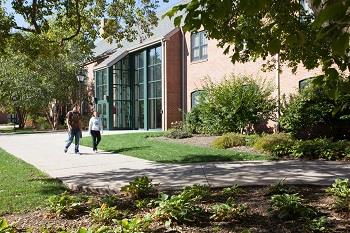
(60, 21)
(312, 32)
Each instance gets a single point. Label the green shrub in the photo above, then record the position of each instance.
(321, 148)
(41, 123)
(195, 192)
(140, 187)
(229, 140)
(318, 225)
(106, 214)
(228, 211)
(232, 191)
(279, 188)
(321, 109)
(232, 105)
(134, 225)
(289, 206)
(270, 142)
(341, 192)
(110, 200)
(177, 208)
(5, 227)
(145, 203)
(68, 206)
(178, 134)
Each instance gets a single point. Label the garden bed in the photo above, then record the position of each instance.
(258, 218)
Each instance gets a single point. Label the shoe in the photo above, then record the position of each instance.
(96, 151)
(65, 150)
(77, 153)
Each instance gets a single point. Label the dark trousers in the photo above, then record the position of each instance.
(96, 138)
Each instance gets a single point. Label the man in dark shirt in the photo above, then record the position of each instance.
(74, 129)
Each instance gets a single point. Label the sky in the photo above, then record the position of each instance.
(20, 21)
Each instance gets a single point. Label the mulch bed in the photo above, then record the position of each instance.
(259, 218)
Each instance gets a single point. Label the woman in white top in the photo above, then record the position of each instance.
(95, 130)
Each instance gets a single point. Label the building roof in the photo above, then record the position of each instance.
(113, 53)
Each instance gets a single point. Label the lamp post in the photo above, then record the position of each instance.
(80, 78)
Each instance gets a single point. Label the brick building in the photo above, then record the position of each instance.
(150, 83)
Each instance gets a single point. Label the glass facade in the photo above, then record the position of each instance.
(135, 84)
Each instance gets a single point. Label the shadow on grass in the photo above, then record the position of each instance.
(195, 158)
(50, 186)
(121, 150)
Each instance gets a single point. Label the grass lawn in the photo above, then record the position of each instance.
(137, 145)
(22, 186)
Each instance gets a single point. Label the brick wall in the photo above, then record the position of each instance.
(218, 65)
(173, 80)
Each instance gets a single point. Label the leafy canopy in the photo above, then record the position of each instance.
(312, 32)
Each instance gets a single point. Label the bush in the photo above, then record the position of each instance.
(195, 192)
(229, 140)
(320, 110)
(228, 211)
(41, 123)
(68, 206)
(233, 105)
(289, 206)
(321, 148)
(177, 134)
(106, 214)
(178, 208)
(140, 187)
(271, 142)
(341, 191)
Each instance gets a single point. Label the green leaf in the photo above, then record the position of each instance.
(274, 46)
(341, 44)
(177, 20)
(330, 12)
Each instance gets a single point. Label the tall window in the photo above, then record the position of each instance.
(199, 46)
(154, 88)
(101, 84)
(139, 81)
(121, 94)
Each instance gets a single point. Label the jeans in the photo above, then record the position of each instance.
(96, 138)
(74, 133)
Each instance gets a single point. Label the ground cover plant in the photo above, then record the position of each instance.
(23, 187)
(142, 145)
(195, 209)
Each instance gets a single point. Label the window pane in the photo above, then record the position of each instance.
(141, 92)
(158, 89)
(158, 55)
(204, 51)
(157, 72)
(195, 54)
(196, 40)
(151, 57)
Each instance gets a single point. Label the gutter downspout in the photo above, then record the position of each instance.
(182, 94)
(164, 96)
(278, 93)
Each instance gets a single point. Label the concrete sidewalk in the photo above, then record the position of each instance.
(107, 171)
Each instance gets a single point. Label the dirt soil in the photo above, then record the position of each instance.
(259, 218)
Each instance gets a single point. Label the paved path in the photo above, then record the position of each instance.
(106, 171)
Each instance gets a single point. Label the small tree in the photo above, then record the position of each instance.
(322, 109)
(233, 105)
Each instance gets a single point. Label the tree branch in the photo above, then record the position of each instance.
(77, 31)
(33, 16)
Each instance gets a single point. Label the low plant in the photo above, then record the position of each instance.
(106, 214)
(140, 187)
(110, 200)
(279, 188)
(5, 227)
(269, 142)
(195, 192)
(177, 208)
(229, 140)
(318, 225)
(232, 191)
(68, 206)
(228, 211)
(41, 123)
(134, 225)
(145, 203)
(178, 133)
(341, 192)
(98, 229)
(290, 206)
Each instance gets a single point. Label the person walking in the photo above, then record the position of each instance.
(74, 129)
(95, 130)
